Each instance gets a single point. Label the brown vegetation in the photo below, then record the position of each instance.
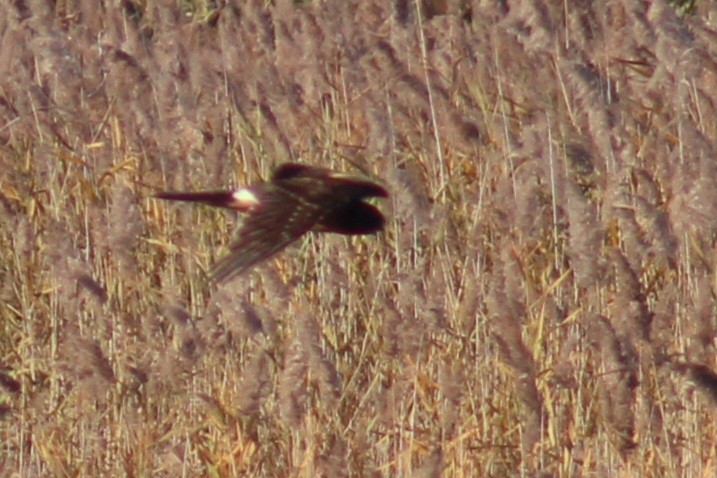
(542, 302)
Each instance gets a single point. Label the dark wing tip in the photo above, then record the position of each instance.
(353, 219)
(365, 186)
(376, 190)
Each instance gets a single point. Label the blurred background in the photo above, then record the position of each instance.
(541, 303)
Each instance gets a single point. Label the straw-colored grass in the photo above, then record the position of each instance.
(541, 303)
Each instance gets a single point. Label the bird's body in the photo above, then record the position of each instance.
(298, 199)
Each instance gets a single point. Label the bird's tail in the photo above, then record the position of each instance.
(213, 198)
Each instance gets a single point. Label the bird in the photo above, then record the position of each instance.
(297, 199)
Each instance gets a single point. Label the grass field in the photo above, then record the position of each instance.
(543, 301)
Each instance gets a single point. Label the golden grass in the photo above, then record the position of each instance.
(542, 302)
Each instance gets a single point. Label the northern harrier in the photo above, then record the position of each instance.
(296, 200)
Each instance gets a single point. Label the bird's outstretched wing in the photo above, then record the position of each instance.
(278, 219)
(298, 198)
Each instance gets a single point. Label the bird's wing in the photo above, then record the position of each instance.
(278, 219)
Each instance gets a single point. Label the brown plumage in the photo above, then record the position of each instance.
(298, 199)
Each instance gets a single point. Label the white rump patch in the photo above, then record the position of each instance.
(244, 199)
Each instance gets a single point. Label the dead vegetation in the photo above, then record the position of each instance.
(541, 304)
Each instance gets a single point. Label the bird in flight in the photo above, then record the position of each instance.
(296, 200)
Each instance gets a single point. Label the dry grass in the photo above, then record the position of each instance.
(543, 300)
